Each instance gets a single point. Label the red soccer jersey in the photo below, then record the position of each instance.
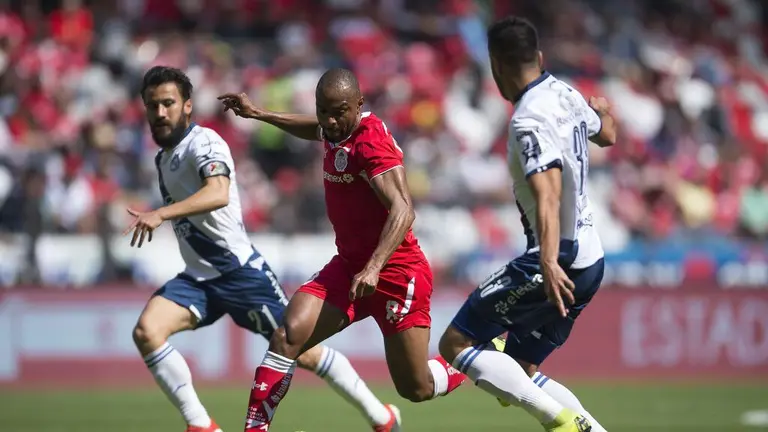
(354, 209)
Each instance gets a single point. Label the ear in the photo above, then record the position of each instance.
(188, 107)
(540, 59)
(360, 102)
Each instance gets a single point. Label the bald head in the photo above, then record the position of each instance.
(338, 82)
(338, 101)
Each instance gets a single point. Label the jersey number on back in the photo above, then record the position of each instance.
(581, 150)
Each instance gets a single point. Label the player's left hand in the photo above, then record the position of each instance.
(143, 225)
(364, 283)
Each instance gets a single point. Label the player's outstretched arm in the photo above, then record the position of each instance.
(392, 189)
(299, 125)
(607, 135)
(212, 196)
(547, 187)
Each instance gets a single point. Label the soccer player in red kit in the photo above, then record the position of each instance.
(379, 271)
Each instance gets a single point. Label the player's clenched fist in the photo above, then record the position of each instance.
(143, 225)
(364, 283)
(241, 105)
(600, 105)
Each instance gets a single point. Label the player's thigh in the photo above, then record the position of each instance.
(252, 296)
(400, 306)
(407, 354)
(402, 300)
(532, 340)
(320, 308)
(181, 304)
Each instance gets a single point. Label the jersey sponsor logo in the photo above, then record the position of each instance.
(340, 160)
(175, 162)
(182, 229)
(346, 178)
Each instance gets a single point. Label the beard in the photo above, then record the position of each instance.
(173, 138)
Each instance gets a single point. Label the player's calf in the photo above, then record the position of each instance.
(307, 321)
(416, 379)
(160, 319)
(498, 374)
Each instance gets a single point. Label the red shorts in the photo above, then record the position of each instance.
(401, 300)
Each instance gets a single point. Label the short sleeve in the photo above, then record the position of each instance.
(212, 158)
(594, 124)
(379, 154)
(533, 147)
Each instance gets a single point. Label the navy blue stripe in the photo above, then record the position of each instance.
(544, 381)
(327, 364)
(323, 362)
(530, 240)
(158, 354)
(221, 258)
(463, 360)
(470, 359)
(155, 362)
(557, 163)
(538, 378)
(544, 75)
(163, 190)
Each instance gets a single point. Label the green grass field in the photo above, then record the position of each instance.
(620, 408)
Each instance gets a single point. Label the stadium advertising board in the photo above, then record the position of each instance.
(84, 338)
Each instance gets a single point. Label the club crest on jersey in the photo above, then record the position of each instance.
(175, 162)
(340, 161)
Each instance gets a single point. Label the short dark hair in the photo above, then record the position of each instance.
(339, 79)
(165, 74)
(513, 40)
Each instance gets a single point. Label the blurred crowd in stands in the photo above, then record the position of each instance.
(688, 80)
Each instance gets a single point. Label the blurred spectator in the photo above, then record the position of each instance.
(687, 81)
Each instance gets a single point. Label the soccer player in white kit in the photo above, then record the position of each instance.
(224, 273)
(536, 297)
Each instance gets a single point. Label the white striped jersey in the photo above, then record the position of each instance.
(550, 128)
(213, 243)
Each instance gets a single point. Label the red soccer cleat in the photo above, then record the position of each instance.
(394, 422)
(213, 427)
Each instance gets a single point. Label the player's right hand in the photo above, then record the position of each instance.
(241, 105)
(558, 287)
(600, 105)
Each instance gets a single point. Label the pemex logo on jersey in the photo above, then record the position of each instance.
(341, 160)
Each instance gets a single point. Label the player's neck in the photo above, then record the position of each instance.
(520, 84)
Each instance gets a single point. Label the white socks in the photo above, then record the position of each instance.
(439, 376)
(501, 376)
(561, 394)
(336, 370)
(172, 374)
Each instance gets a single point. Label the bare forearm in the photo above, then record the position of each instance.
(607, 135)
(299, 125)
(398, 223)
(205, 200)
(548, 225)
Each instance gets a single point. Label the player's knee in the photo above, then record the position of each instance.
(285, 343)
(415, 391)
(452, 343)
(148, 336)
